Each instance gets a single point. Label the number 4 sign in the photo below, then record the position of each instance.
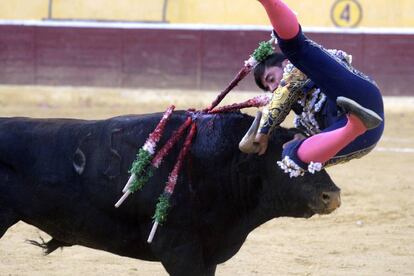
(346, 13)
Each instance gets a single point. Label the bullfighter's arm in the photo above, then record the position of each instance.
(288, 92)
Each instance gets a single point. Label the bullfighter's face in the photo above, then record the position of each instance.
(271, 77)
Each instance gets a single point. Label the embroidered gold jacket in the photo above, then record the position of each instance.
(288, 93)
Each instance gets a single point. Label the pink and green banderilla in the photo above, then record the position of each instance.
(163, 204)
(159, 157)
(140, 171)
(261, 53)
(257, 101)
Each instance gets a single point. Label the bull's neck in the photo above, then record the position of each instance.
(254, 200)
(270, 206)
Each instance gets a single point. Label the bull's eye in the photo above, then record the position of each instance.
(325, 196)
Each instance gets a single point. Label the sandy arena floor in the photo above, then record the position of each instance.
(372, 233)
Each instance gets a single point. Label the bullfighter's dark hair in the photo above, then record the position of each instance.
(274, 59)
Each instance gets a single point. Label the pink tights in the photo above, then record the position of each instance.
(283, 19)
(324, 146)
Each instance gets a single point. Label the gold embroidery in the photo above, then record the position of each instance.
(288, 92)
(348, 157)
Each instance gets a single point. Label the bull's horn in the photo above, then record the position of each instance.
(247, 144)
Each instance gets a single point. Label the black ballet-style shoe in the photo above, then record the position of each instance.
(369, 118)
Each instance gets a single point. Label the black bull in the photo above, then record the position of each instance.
(64, 176)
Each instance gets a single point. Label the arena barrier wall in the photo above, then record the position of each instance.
(176, 56)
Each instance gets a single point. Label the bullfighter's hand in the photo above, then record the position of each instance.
(262, 140)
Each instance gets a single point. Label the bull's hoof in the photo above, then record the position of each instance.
(369, 118)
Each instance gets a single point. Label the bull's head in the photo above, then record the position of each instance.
(302, 196)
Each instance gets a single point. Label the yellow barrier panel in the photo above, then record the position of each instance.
(311, 13)
(119, 10)
(216, 12)
(24, 9)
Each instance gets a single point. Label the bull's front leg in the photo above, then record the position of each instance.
(182, 255)
(8, 192)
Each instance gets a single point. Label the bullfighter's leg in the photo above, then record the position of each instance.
(7, 219)
(339, 137)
